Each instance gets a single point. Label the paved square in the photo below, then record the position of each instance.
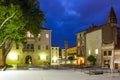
(54, 75)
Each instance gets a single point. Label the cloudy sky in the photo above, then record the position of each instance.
(67, 17)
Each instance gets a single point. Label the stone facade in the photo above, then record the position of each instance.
(81, 47)
(93, 44)
(35, 52)
(54, 55)
(72, 51)
(96, 36)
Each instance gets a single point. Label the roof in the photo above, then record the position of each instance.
(54, 46)
(94, 27)
(45, 28)
(112, 13)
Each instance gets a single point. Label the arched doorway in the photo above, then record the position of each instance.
(80, 61)
(28, 59)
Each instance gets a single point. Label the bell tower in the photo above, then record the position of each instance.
(112, 16)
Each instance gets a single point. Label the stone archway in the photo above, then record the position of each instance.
(28, 59)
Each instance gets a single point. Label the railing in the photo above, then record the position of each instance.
(24, 49)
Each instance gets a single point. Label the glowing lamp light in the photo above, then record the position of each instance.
(54, 58)
(13, 56)
(89, 52)
(96, 51)
(43, 57)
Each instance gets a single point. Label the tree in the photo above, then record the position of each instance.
(32, 14)
(91, 59)
(71, 58)
(16, 17)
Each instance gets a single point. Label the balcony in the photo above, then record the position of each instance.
(28, 50)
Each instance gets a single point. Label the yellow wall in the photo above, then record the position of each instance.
(22, 56)
(93, 42)
(72, 50)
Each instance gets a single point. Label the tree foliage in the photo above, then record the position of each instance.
(11, 22)
(91, 58)
(71, 58)
(18, 16)
(32, 14)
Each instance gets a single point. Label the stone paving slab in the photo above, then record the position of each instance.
(54, 75)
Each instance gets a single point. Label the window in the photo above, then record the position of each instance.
(28, 45)
(80, 35)
(78, 44)
(109, 53)
(29, 34)
(96, 51)
(106, 61)
(47, 47)
(17, 46)
(105, 53)
(47, 35)
(32, 46)
(38, 46)
(89, 52)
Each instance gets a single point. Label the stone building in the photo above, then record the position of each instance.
(55, 55)
(81, 47)
(35, 52)
(97, 35)
(72, 51)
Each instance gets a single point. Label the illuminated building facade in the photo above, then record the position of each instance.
(54, 55)
(98, 35)
(72, 51)
(35, 52)
(111, 55)
(81, 47)
(63, 53)
(101, 41)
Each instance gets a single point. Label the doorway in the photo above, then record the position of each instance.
(28, 59)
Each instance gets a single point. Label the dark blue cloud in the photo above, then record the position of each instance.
(67, 17)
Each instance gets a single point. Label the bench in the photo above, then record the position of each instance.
(95, 72)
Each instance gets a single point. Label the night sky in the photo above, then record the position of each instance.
(67, 17)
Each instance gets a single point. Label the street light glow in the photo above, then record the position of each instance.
(96, 51)
(43, 57)
(54, 58)
(13, 56)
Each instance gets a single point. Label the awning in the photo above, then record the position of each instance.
(117, 61)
